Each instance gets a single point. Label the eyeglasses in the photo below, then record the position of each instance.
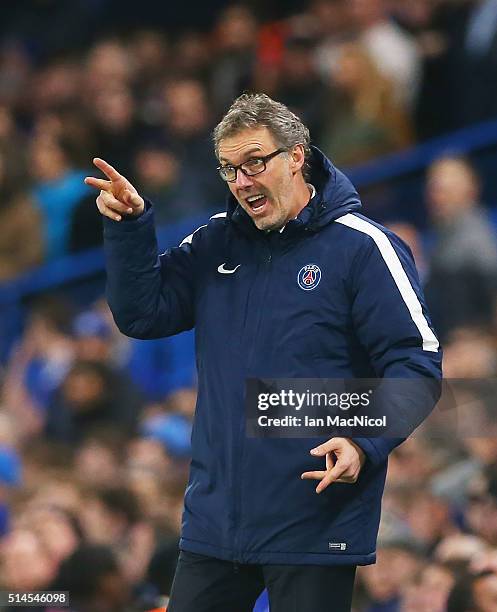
(251, 167)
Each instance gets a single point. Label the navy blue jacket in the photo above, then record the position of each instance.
(245, 500)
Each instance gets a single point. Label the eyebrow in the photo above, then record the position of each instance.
(249, 153)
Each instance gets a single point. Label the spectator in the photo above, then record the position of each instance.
(25, 563)
(95, 581)
(429, 591)
(115, 125)
(470, 353)
(364, 120)
(485, 592)
(58, 188)
(460, 549)
(481, 512)
(392, 49)
(473, 62)
(108, 66)
(56, 86)
(93, 337)
(463, 260)
(396, 566)
(235, 40)
(92, 396)
(58, 531)
(430, 23)
(16, 70)
(112, 517)
(193, 53)
(474, 593)
(38, 364)
(159, 175)
(429, 519)
(151, 54)
(187, 125)
(300, 86)
(18, 216)
(98, 461)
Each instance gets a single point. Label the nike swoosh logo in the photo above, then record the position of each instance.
(224, 270)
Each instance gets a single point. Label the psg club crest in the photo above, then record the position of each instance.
(308, 277)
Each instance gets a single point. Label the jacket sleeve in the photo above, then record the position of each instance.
(391, 321)
(150, 295)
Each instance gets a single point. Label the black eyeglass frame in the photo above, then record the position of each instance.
(264, 159)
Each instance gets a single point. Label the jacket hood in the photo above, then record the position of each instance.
(335, 196)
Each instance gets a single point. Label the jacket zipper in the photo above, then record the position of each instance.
(265, 267)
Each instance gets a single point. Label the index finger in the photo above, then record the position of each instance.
(109, 171)
(327, 447)
(330, 476)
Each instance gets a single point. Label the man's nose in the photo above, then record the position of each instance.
(242, 180)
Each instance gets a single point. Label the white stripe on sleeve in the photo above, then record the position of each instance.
(430, 342)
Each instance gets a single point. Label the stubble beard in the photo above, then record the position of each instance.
(269, 224)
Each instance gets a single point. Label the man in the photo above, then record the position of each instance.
(250, 518)
(463, 258)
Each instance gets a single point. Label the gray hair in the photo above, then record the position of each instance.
(259, 110)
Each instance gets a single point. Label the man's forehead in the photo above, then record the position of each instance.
(250, 140)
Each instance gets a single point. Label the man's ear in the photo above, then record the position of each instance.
(297, 157)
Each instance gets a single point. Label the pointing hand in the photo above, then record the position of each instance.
(117, 196)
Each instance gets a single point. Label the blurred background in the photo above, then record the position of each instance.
(95, 427)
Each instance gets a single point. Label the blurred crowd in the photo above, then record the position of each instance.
(95, 427)
(369, 77)
(94, 449)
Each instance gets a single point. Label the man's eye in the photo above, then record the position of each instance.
(253, 163)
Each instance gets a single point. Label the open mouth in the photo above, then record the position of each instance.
(257, 202)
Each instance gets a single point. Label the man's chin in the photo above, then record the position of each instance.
(266, 225)
(266, 221)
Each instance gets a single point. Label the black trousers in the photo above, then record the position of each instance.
(206, 584)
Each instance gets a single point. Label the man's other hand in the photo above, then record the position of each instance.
(344, 460)
(117, 197)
